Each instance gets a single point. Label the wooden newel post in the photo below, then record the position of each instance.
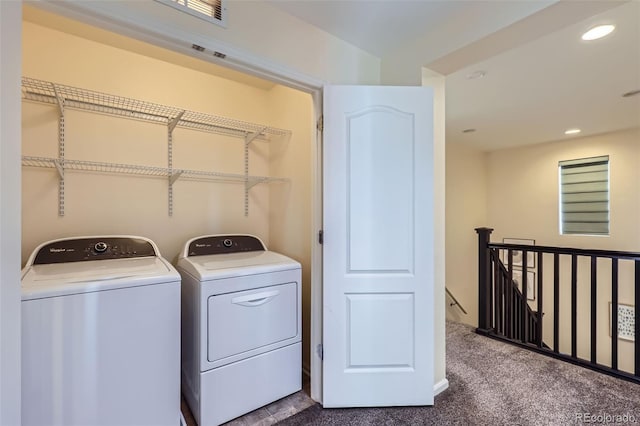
(484, 286)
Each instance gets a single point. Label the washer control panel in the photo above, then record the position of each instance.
(221, 244)
(98, 248)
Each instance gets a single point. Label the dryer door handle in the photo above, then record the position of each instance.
(255, 299)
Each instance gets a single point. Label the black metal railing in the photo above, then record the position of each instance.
(504, 311)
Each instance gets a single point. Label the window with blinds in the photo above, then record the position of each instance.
(584, 196)
(211, 10)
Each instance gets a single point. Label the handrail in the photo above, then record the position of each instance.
(567, 250)
(455, 301)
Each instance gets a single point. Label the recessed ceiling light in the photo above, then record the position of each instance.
(598, 32)
(572, 131)
(631, 93)
(476, 74)
(468, 130)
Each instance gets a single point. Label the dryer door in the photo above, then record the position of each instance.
(245, 323)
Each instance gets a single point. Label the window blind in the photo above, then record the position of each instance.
(211, 10)
(584, 196)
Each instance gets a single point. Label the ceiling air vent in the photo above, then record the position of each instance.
(210, 10)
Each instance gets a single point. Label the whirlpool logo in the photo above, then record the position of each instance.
(60, 250)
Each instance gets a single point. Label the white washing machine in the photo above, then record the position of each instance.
(241, 326)
(100, 334)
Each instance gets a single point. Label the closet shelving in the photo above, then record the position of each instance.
(132, 169)
(67, 97)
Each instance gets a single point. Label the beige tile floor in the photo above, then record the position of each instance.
(269, 414)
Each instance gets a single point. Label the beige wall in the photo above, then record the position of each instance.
(523, 203)
(526, 180)
(466, 209)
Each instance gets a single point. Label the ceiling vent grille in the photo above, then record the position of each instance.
(210, 10)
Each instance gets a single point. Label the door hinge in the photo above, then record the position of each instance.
(320, 123)
(321, 237)
(320, 351)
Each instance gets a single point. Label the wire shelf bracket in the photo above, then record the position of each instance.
(171, 125)
(174, 177)
(61, 148)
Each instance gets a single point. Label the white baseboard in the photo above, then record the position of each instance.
(441, 386)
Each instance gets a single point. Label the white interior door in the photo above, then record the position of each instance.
(378, 246)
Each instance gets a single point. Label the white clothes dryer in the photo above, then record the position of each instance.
(100, 334)
(241, 326)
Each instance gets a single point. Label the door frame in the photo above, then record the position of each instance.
(10, 219)
(256, 66)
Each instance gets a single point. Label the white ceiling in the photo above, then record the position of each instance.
(382, 27)
(541, 79)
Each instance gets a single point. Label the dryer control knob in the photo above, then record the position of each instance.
(227, 242)
(100, 247)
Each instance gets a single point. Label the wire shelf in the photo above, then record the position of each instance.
(39, 162)
(94, 166)
(206, 175)
(100, 167)
(88, 100)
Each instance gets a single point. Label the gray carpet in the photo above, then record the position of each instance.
(494, 383)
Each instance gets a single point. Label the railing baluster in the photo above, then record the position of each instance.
(539, 314)
(614, 313)
(637, 319)
(501, 292)
(525, 302)
(511, 310)
(496, 291)
(492, 287)
(594, 307)
(556, 302)
(574, 305)
(515, 303)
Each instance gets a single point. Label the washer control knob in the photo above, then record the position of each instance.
(227, 242)
(100, 247)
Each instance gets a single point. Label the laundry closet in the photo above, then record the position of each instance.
(134, 175)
